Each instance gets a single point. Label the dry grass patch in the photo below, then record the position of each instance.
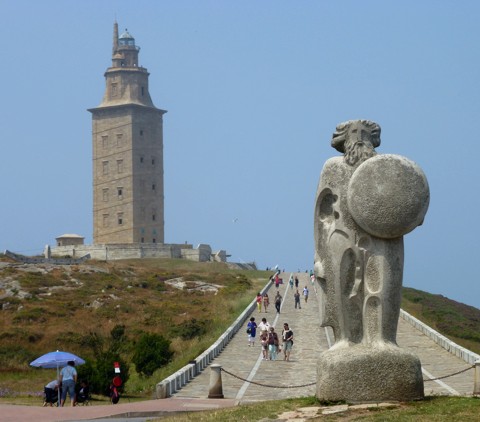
(76, 308)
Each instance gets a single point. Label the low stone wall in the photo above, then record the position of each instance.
(119, 251)
(177, 380)
(111, 252)
(42, 260)
(459, 351)
(202, 253)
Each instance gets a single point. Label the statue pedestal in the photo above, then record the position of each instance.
(369, 374)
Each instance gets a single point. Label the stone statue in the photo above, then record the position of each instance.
(365, 203)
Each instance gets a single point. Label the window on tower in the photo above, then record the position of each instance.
(119, 166)
(105, 195)
(105, 141)
(120, 192)
(105, 168)
(120, 218)
(114, 89)
(105, 220)
(119, 140)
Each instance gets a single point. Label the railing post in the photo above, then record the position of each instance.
(216, 388)
(476, 385)
(162, 390)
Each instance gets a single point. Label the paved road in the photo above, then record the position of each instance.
(310, 341)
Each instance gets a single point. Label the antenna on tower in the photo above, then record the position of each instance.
(115, 37)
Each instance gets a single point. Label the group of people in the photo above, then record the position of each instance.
(262, 300)
(269, 339)
(273, 344)
(293, 281)
(265, 300)
(67, 385)
(296, 297)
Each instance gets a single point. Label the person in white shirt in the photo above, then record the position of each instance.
(51, 393)
(264, 325)
(305, 294)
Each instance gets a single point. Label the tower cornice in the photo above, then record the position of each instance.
(126, 105)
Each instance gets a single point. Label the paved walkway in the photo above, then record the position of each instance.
(310, 341)
(122, 411)
(246, 362)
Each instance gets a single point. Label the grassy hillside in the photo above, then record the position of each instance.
(82, 308)
(459, 322)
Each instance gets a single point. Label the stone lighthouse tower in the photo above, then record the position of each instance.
(127, 135)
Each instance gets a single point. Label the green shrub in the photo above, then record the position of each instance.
(100, 372)
(150, 353)
(191, 329)
(118, 333)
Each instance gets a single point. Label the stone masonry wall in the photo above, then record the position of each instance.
(137, 251)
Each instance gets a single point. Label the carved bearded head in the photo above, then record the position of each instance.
(357, 139)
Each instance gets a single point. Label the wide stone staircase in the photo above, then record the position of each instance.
(248, 378)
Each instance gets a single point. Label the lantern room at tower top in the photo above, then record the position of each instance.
(125, 52)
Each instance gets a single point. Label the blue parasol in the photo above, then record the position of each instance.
(56, 360)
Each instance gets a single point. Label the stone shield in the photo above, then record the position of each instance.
(388, 196)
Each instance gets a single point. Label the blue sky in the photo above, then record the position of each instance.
(254, 91)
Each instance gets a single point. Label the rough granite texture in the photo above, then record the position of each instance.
(388, 196)
(364, 374)
(365, 203)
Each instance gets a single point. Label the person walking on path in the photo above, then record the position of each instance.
(251, 331)
(264, 343)
(296, 296)
(264, 326)
(296, 282)
(287, 338)
(266, 302)
(259, 302)
(291, 281)
(278, 302)
(305, 294)
(68, 379)
(272, 344)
